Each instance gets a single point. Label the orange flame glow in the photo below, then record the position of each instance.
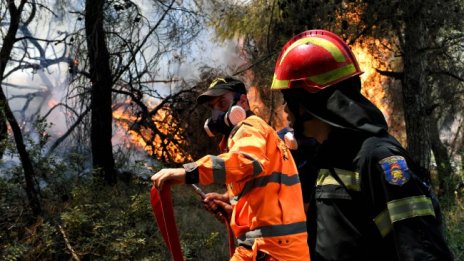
(373, 55)
(162, 140)
(374, 84)
(52, 102)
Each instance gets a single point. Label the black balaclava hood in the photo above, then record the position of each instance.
(341, 105)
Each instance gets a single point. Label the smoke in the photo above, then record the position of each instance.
(34, 91)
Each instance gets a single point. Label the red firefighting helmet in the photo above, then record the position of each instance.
(314, 60)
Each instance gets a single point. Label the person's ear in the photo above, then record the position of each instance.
(243, 98)
(243, 102)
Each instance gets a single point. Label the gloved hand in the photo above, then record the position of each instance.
(218, 205)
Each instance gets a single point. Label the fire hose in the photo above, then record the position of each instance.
(161, 202)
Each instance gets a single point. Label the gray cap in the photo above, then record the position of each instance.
(220, 86)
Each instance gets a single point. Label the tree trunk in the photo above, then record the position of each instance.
(5, 110)
(3, 133)
(415, 94)
(444, 169)
(101, 77)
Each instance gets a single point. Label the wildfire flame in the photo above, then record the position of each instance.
(374, 84)
(161, 139)
(375, 54)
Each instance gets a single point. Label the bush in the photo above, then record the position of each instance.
(105, 223)
(453, 210)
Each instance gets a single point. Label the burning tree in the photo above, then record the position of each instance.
(412, 47)
(26, 49)
(169, 129)
(154, 129)
(424, 34)
(121, 63)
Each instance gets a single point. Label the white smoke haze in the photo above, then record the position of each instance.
(48, 83)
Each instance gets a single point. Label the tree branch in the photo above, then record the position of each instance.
(394, 75)
(68, 245)
(68, 132)
(450, 74)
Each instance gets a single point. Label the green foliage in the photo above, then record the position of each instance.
(455, 228)
(101, 222)
(110, 222)
(453, 210)
(13, 252)
(95, 221)
(116, 223)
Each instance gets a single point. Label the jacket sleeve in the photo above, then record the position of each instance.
(246, 158)
(407, 212)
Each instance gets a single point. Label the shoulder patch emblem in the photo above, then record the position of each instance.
(395, 169)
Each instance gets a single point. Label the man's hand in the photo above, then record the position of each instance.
(219, 205)
(175, 176)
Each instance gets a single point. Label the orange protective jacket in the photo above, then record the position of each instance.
(263, 187)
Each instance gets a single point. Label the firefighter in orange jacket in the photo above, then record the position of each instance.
(262, 182)
(370, 200)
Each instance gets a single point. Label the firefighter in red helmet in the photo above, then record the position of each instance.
(368, 200)
(263, 187)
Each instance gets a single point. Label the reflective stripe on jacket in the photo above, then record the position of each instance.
(373, 203)
(264, 189)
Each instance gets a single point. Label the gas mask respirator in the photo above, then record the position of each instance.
(223, 122)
